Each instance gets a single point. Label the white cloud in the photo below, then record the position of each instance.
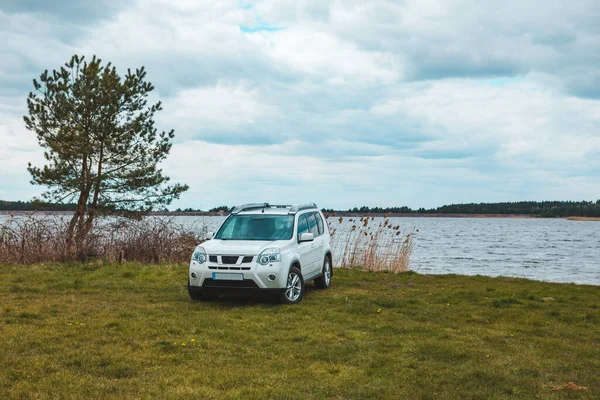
(322, 55)
(17, 147)
(517, 119)
(221, 107)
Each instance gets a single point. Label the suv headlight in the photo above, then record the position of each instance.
(199, 255)
(269, 255)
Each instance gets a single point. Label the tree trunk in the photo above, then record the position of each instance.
(86, 227)
(75, 231)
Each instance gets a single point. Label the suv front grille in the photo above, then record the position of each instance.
(230, 268)
(230, 260)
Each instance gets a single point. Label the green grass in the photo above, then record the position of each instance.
(108, 331)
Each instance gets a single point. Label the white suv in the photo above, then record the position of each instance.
(262, 247)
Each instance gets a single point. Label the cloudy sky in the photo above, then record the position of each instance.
(416, 102)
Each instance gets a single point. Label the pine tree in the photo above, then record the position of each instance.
(100, 143)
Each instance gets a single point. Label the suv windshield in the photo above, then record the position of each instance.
(257, 227)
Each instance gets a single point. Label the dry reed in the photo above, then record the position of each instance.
(32, 238)
(374, 248)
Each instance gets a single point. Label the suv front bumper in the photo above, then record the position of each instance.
(254, 276)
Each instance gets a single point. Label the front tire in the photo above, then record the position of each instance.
(294, 288)
(324, 281)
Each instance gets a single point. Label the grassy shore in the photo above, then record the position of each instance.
(130, 331)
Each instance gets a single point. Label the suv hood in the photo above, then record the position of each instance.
(239, 247)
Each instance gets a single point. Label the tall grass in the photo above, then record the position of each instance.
(373, 246)
(32, 238)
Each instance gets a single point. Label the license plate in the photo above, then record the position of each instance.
(218, 276)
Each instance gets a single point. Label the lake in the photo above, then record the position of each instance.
(555, 250)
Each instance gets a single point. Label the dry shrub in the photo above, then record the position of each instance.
(154, 239)
(32, 238)
(381, 248)
(28, 239)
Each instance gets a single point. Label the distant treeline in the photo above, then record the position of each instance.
(546, 209)
(35, 205)
(224, 209)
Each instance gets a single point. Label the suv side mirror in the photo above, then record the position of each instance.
(209, 235)
(307, 237)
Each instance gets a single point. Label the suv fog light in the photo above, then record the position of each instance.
(271, 277)
(194, 275)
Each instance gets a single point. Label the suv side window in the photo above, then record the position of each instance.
(319, 223)
(302, 225)
(312, 224)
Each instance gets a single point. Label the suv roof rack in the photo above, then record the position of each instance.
(257, 206)
(300, 207)
(293, 209)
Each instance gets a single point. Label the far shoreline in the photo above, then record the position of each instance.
(583, 218)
